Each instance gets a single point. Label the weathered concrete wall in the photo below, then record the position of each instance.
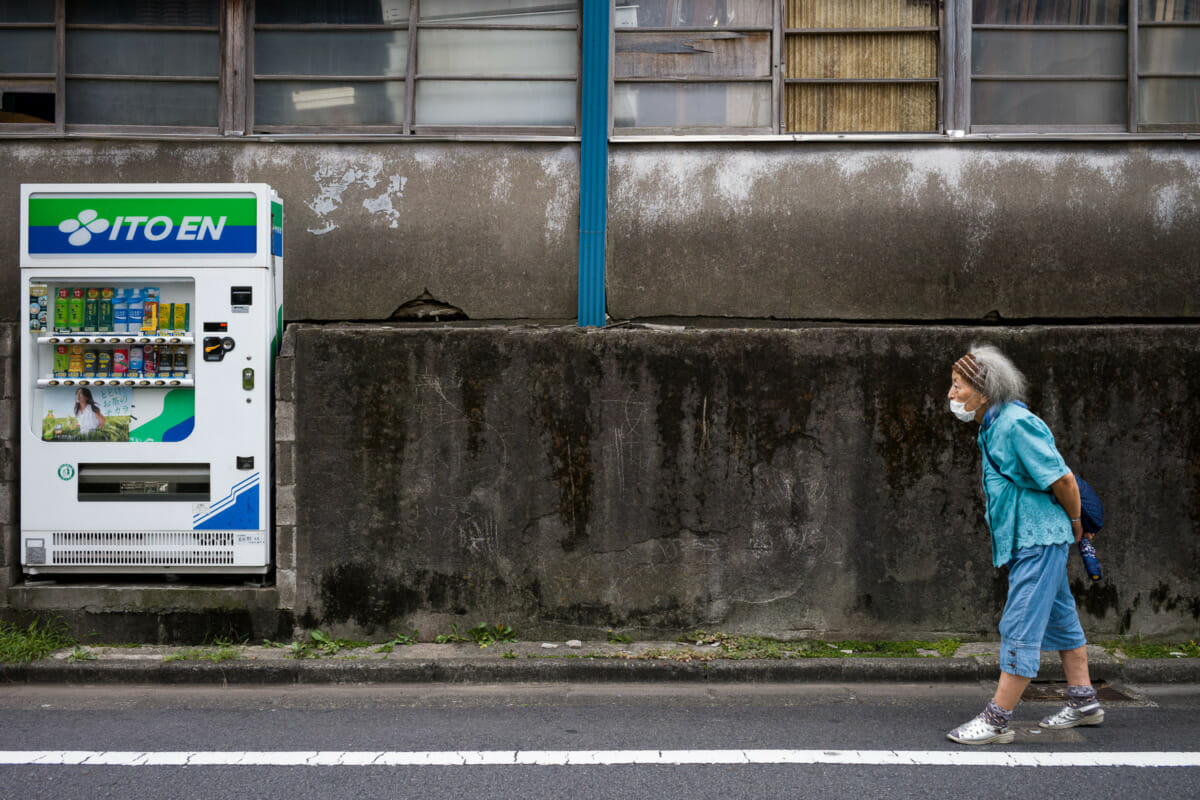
(919, 231)
(847, 231)
(787, 481)
(490, 228)
(10, 458)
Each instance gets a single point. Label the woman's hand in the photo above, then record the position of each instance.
(1066, 491)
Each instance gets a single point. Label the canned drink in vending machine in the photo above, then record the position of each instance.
(120, 362)
(179, 368)
(137, 360)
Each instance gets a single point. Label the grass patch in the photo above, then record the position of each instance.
(20, 645)
(215, 655)
(1139, 649)
(399, 640)
(763, 647)
(81, 653)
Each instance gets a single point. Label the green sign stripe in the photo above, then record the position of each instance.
(50, 211)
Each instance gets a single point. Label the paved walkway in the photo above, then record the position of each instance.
(546, 662)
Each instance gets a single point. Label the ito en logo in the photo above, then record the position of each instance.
(66, 472)
(82, 228)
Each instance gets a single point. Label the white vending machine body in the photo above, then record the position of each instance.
(146, 372)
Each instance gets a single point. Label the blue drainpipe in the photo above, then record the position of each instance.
(593, 162)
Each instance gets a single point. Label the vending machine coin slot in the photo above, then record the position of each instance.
(214, 348)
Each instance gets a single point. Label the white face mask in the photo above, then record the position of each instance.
(960, 410)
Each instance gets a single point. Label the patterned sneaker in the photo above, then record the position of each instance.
(979, 731)
(1091, 714)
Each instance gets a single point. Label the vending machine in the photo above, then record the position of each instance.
(155, 313)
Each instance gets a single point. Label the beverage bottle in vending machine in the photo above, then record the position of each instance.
(104, 317)
(120, 310)
(137, 361)
(133, 317)
(75, 311)
(150, 361)
(62, 315)
(61, 361)
(91, 309)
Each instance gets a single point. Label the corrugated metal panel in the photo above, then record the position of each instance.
(836, 107)
(593, 163)
(861, 13)
(863, 55)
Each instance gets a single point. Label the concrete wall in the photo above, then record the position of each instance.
(905, 231)
(10, 460)
(779, 480)
(491, 229)
(789, 481)
(845, 231)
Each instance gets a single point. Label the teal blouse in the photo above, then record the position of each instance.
(1025, 514)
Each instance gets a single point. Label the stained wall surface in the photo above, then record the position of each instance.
(786, 481)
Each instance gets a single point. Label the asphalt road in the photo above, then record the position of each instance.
(837, 725)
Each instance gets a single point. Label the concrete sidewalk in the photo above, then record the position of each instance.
(549, 662)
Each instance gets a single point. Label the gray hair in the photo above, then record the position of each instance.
(1002, 381)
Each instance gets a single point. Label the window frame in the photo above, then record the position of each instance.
(772, 29)
(1129, 29)
(236, 78)
(938, 30)
(61, 126)
(409, 127)
(1136, 24)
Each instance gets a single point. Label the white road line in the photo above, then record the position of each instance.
(555, 758)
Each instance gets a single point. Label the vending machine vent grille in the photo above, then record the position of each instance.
(142, 548)
(154, 539)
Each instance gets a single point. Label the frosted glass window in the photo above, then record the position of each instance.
(382, 52)
(331, 12)
(1076, 12)
(667, 55)
(1048, 53)
(703, 105)
(544, 103)
(692, 14)
(142, 53)
(1169, 49)
(26, 10)
(144, 12)
(1048, 103)
(1166, 101)
(329, 103)
(497, 53)
(1169, 11)
(24, 51)
(142, 103)
(499, 12)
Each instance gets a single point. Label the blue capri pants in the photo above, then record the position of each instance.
(1040, 612)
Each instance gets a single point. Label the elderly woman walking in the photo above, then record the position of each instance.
(1033, 510)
